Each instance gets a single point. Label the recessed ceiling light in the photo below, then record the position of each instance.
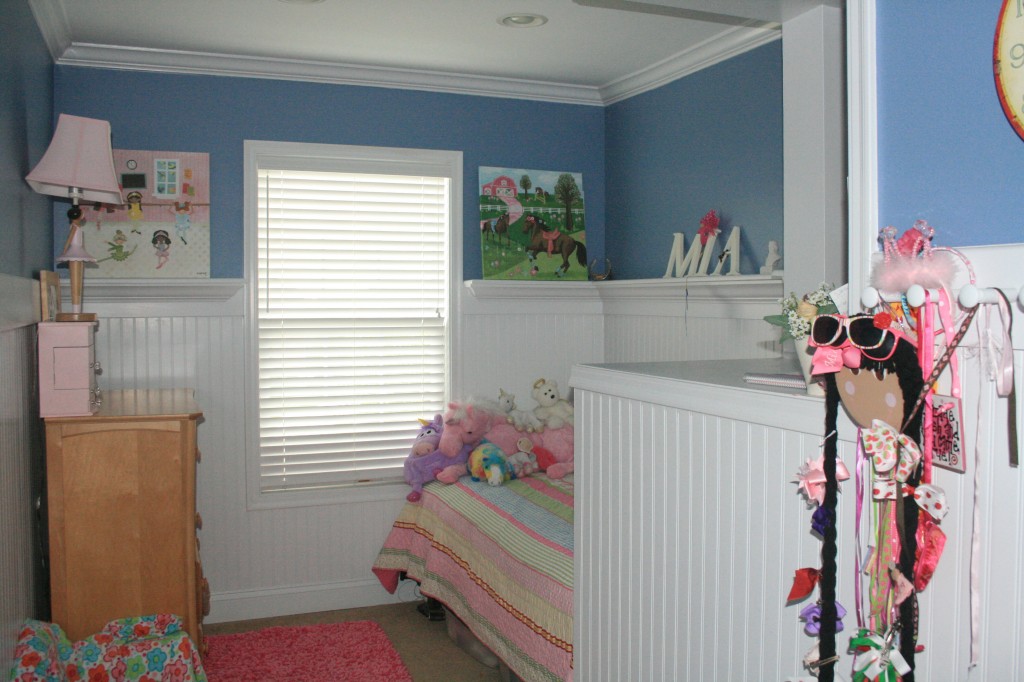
(522, 20)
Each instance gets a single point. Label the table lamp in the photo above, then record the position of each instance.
(79, 165)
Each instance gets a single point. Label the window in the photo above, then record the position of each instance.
(166, 171)
(349, 256)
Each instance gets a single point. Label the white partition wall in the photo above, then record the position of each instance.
(689, 529)
(21, 458)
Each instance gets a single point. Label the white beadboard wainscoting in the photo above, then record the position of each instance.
(21, 458)
(689, 528)
(273, 561)
(693, 318)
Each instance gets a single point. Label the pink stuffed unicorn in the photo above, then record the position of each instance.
(466, 425)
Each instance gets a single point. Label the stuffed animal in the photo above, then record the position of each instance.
(467, 424)
(552, 410)
(523, 461)
(425, 461)
(464, 424)
(521, 419)
(487, 463)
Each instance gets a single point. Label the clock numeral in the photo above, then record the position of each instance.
(1016, 52)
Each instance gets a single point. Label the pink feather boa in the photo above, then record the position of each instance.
(933, 271)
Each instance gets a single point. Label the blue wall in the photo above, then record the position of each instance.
(946, 152)
(712, 140)
(215, 114)
(26, 123)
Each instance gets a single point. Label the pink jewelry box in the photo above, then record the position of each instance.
(67, 369)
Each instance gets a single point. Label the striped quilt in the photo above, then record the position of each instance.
(500, 558)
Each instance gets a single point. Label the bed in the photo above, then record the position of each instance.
(498, 557)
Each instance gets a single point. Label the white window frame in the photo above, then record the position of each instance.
(346, 158)
(160, 188)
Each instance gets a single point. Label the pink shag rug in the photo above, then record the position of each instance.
(356, 651)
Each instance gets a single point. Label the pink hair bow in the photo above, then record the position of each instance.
(830, 359)
(811, 478)
(893, 455)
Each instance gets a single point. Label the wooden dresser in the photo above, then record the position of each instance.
(122, 512)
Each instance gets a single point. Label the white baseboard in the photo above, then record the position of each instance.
(231, 606)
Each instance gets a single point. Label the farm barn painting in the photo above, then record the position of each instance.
(532, 224)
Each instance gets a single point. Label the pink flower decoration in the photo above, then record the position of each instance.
(708, 227)
(811, 478)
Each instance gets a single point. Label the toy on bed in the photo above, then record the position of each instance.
(524, 460)
(487, 463)
(425, 461)
(552, 409)
(521, 419)
(469, 423)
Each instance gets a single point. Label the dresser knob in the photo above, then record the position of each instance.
(199, 521)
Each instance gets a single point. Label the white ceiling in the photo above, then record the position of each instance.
(589, 51)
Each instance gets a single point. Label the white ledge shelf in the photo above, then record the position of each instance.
(514, 289)
(739, 296)
(715, 287)
(161, 297)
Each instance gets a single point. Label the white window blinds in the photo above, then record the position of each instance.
(352, 307)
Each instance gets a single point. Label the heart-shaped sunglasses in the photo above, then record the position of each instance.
(871, 334)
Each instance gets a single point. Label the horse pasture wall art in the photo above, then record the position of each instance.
(532, 224)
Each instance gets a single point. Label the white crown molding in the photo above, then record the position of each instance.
(175, 61)
(56, 33)
(54, 26)
(730, 44)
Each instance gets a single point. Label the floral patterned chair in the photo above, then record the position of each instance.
(144, 649)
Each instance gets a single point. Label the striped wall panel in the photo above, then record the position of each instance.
(20, 480)
(689, 528)
(649, 338)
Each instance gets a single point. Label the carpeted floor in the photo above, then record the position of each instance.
(425, 648)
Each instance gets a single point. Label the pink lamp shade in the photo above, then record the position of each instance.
(78, 163)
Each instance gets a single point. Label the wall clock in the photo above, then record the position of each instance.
(1008, 62)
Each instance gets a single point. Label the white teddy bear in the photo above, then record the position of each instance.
(552, 410)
